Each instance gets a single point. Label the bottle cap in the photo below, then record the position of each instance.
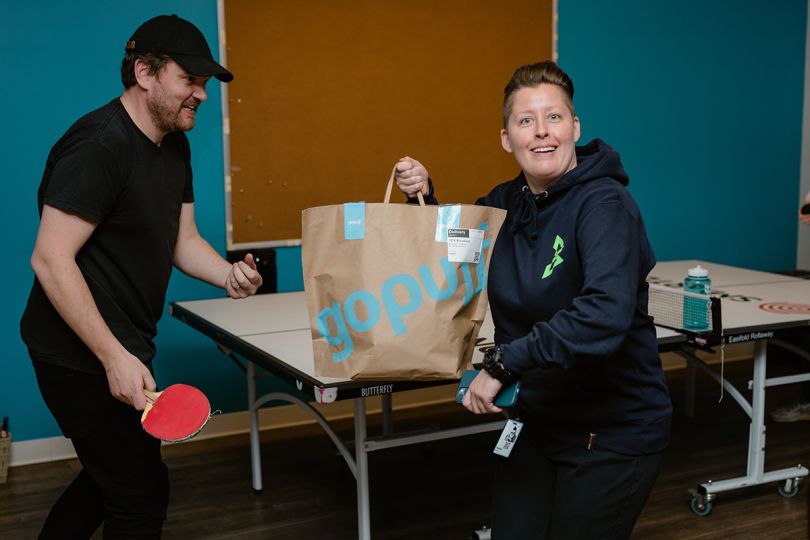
(698, 271)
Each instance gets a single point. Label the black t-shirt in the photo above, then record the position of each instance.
(106, 170)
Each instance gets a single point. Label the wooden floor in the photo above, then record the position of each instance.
(440, 490)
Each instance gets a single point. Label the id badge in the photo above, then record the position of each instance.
(509, 435)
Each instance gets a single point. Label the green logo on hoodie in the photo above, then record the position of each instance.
(559, 244)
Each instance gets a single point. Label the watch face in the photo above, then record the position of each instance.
(494, 365)
(490, 358)
(491, 364)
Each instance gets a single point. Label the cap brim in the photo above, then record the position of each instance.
(201, 65)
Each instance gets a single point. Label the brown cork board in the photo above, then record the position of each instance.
(328, 94)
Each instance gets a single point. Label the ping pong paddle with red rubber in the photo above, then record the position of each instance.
(175, 414)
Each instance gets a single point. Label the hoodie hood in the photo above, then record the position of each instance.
(595, 160)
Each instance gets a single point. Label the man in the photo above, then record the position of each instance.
(116, 213)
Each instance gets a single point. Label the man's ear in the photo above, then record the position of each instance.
(143, 78)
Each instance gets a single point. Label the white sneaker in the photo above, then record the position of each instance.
(792, 413)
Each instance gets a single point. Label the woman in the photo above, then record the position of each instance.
(568, 297)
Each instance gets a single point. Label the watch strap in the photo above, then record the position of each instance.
(493, 364)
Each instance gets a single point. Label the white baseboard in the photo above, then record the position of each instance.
(58, 448)
(40, 450)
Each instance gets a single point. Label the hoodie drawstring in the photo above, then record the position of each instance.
(524, 212)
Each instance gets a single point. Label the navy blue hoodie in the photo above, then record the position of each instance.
(568, 296)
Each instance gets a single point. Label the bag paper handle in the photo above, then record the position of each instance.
(391, 186)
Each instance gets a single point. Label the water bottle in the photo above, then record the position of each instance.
(696, 310)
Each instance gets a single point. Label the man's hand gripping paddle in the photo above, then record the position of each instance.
(176, 414)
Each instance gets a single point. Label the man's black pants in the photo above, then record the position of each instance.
(124, 483)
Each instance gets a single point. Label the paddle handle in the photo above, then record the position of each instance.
(151, 397)
(390, 187)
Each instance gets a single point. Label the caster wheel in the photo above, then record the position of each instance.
(789, 488)
(701, 508)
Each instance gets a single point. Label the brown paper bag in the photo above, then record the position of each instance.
(384, 300)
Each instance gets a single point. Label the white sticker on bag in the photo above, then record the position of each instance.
(464, 245)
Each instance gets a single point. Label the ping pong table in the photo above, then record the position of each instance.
(754, 306)
(271, 333)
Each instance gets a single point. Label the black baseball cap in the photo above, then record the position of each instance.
(181, 41)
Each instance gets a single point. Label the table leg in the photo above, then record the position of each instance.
(253, 411)
(361, 459)
(755, 472)
(387, 416)
(756, 432)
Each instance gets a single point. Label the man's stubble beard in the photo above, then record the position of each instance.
(164, 118)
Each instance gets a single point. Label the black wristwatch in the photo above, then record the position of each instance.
(493, 364)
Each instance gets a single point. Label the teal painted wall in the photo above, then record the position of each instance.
(702, 99)
(290, 273)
